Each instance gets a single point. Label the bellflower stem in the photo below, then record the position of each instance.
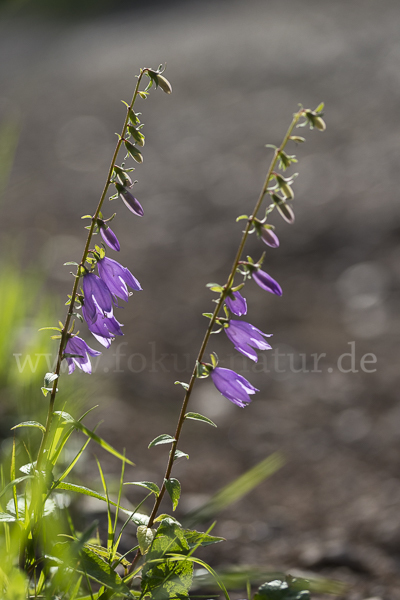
(78, 274)
(218, 307)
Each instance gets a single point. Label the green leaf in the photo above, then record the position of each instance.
(80, 489)
(29, 424)
(241, 218)
(137, 135)
(162, 577)
(196, 538)
(6, 518)
(14, 482)
(173, 488)
(197, 417)
(149, 485)
(145, 537)
(53, 328)
(179, 454)
(280, 590)
(164, 438)
(168, 519)
(72, 262)
(320, 107)
(100, 571)
(93, 436)
(184, 385)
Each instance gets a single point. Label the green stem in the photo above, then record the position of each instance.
(218, 307)
(78, 275)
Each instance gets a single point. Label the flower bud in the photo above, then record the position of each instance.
(284, 187)
(269, 237)
(284, 209)
(164, 84)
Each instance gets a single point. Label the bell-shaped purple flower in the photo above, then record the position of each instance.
(129, 200)
(266, 282)
(77, 346)
(245, 337)
(109, 237)
(97, 296)
(236, 303)
(103, 328)
(117, 278)
(269, 237)
(233, 386)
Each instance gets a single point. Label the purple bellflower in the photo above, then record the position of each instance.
(103, 328)
(245, 337)
(233, 386)
(129, 200)
(266, 282)
(109, 237)
(97, 295)
(117, 278)
(236, 303)
(76, 345)
(269, 237)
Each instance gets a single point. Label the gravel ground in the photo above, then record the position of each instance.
(238, 71)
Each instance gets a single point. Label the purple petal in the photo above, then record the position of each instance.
(236, 303)
(110, 238)
(116, 277)
(266, 282)
(244, 335)
(233, 386)
(96, 294)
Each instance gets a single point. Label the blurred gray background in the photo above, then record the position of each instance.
(238, 71)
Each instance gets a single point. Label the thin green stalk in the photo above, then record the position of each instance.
(64, 330)
(218, 307)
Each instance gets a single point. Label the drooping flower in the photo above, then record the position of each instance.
(233, 386)
(103, 328)
(77, 346)
(98, 295)
(117, 278)
(269, 237)
(109, 236)
(266, 282)
(236, 303)
(129, 200)
(245, 337)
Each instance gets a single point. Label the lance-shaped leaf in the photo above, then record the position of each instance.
(173, 488)
(164, 438)
(29, 424)
(148, 485)
(199, 417)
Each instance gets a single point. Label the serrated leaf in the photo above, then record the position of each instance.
(168, 519)
(199, 417)
(164, 438)
(184, 385)
(173, 488)
(6, 518)
(195, 538)
(179, 454)
(145, 536)
(92, 565)
(149, 485)
(30, 424)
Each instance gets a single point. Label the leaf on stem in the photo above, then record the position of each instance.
(148, 485)
(164, 438)
(199, 417)
(173, 488)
